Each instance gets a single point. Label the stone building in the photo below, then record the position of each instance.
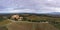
(16, 17)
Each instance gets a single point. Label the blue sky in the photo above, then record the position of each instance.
(29, 6)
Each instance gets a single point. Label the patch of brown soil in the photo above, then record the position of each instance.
(31, 26)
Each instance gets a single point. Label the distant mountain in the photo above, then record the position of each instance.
(54, 14)
(57, 13)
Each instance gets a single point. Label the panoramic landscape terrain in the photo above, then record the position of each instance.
(29, 14)
(29, 21)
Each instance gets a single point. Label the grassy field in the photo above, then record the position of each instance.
(3, 24)
(26, 25)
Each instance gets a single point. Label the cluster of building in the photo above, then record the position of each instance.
(16, 17)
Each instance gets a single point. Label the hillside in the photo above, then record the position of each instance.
(31, 21)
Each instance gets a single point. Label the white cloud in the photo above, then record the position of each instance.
(30, 6)
(11, 10)
(57, 9)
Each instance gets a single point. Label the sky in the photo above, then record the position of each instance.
(29, 6)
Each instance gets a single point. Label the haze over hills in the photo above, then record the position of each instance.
(52, 14)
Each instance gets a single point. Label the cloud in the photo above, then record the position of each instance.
(12, 10)
(29, 6)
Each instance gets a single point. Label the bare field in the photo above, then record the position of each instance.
(30, 26)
